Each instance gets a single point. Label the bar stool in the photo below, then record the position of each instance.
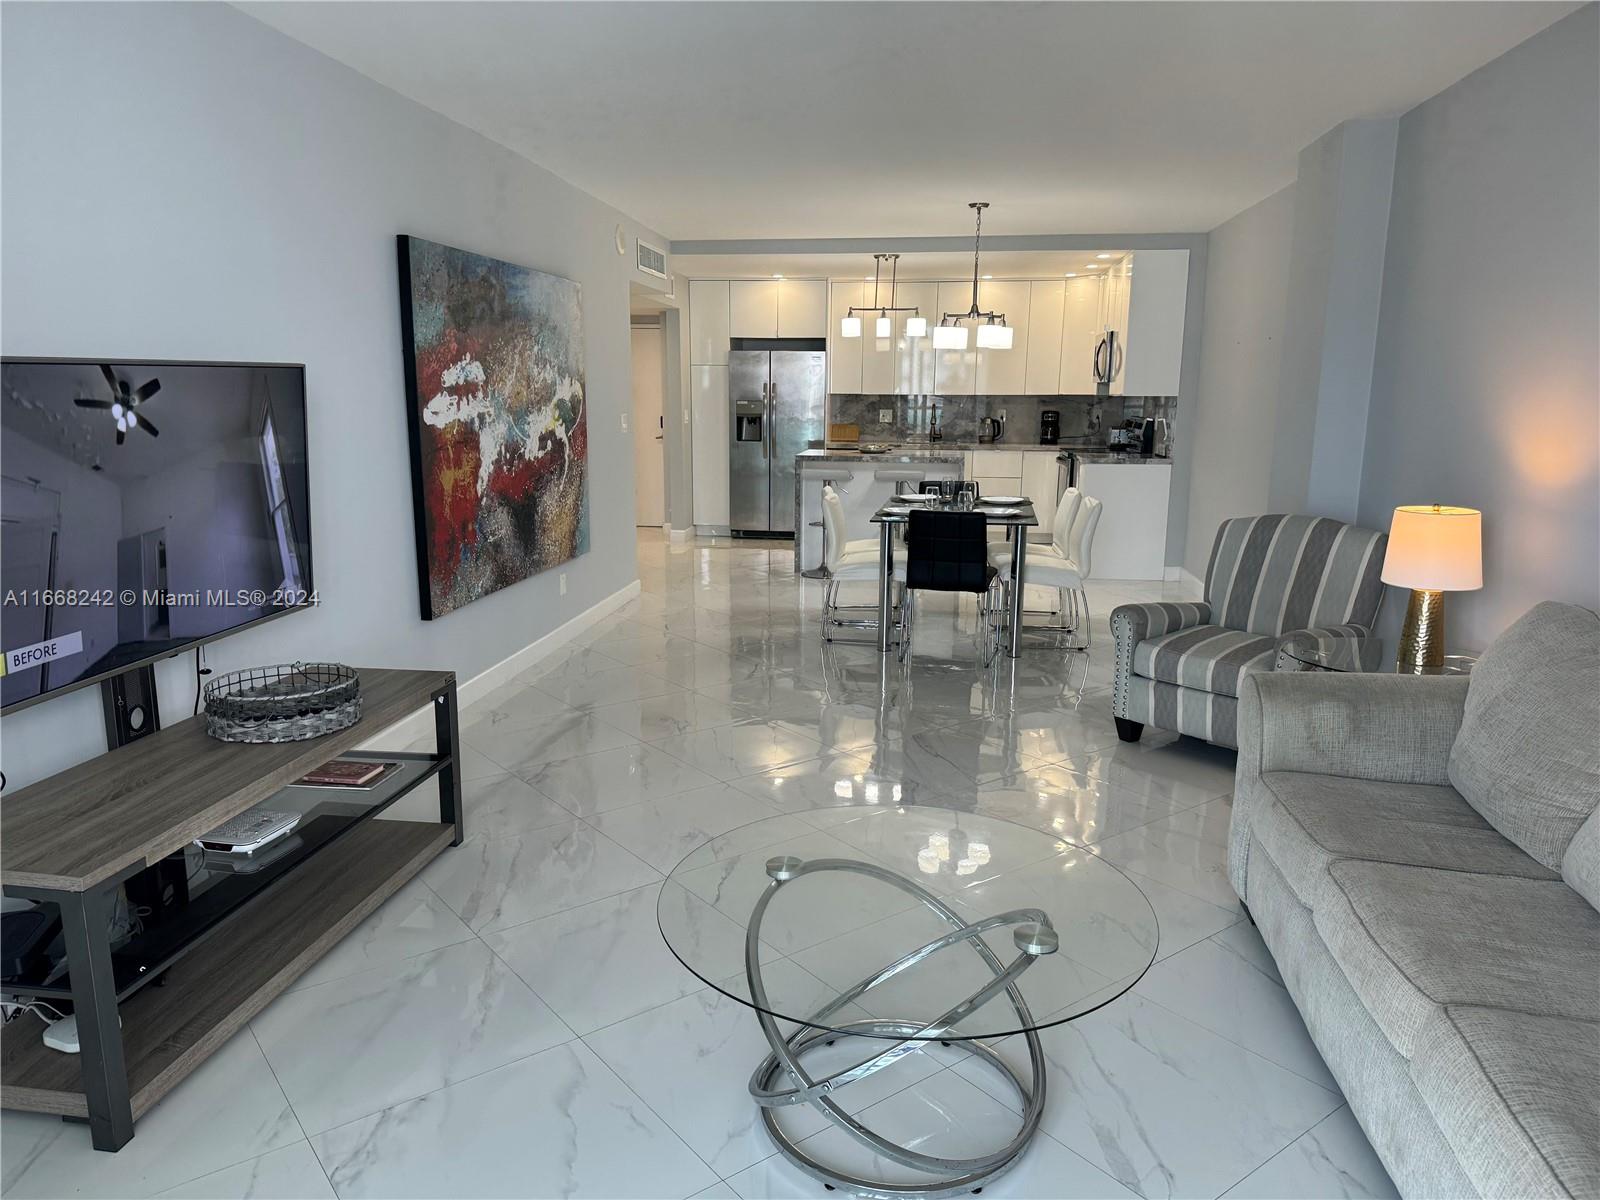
(834, 478)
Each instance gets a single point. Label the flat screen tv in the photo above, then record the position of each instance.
(148, 507)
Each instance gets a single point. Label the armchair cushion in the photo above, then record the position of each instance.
(1278, 573)
(1207, 657)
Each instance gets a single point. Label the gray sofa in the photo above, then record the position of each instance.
(1422, 857)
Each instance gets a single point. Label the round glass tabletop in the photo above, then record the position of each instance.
(911, 923)
(1324, 653)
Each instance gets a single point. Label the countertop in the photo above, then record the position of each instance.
(951, 452)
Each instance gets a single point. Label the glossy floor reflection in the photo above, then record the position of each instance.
(512, 1024)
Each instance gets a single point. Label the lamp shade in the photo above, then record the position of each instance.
(995, 337)
(883, 327)
(1435, 548)
(850, 327)
(916, 326)
(950, 337)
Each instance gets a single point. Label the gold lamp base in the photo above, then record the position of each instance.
(1422, 635)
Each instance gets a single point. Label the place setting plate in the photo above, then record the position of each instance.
(1006, 500)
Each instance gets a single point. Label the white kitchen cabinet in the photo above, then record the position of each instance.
(955, 372)
(1039, 485)
(844, 354)
(1115, 301)
(708, 405)
(708, 322)
(1153, 344)
(1131, 541)
(877, 353)
(914, 357)
(753, 308)
(1005, 463)
(1082, 326)
(802, 308)
(1042, 374)
(1004, 372)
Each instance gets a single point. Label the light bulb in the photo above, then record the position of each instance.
(950, 337)
(916, 326)
(122, 424)
(116, 411)
(850, 327)
(883, 327)
(995, 337)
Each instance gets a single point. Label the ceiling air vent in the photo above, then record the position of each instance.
(652, 261)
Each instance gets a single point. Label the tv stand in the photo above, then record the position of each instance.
(74, 839)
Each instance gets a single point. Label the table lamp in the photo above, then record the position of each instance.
(1433, 549)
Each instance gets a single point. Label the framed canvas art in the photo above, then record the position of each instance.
(499, 429)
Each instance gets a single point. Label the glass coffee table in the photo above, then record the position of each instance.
(1320, 652)
(889, 930)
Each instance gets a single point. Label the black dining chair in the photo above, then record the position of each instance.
(949, 552)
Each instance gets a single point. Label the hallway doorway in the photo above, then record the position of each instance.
(649, 430)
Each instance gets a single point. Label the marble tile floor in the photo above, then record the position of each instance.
(511, 1023)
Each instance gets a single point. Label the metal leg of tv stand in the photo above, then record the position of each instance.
(86, 928)
(447, 731)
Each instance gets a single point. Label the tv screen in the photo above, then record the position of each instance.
(147, 507)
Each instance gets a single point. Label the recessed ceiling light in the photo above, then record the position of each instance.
(988, 276)
(1091, 266)
(775, 275)
(1102, 256)
(1072, 274)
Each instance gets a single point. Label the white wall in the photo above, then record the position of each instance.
(237, 197)
(1485, 388)
(1232, 422)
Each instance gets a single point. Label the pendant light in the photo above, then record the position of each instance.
(993, 332)
(883, 324)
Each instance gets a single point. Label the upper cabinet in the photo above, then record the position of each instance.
(955, 372)
(914, 357)
(1082, 327)
(802, 308)
(844, 354)
(1059, 340)
(785, 308)
(1042, 375)
(753, 308)
(708, 322)
(1157, 296)
(1004, 372)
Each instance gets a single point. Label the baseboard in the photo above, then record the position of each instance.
(1191, 582)
(678, 536)
(1172, 574)
(420, 724)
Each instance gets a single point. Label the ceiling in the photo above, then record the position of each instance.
(801, 120)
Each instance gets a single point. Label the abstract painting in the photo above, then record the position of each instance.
(499, 429)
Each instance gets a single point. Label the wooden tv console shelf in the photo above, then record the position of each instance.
(76, 838)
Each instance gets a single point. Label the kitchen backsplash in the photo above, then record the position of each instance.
(1081, 416)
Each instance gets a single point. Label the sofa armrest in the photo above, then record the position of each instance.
(1392, 728)
(1132, 623)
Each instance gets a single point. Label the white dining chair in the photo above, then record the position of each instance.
(1064, 565)
(849, 560)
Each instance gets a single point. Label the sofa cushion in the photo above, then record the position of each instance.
(1309, 821)
(1414, 939)
(1528, 752)
(1518, 1097)
(1208, 658)
(1580, 865)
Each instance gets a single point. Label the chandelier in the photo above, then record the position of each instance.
(883, 326)
(993, 332)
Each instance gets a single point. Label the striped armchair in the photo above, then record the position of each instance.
(1178, 666)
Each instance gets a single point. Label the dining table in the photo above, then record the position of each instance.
(1016, 518)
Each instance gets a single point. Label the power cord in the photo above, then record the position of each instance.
(15, 1007)
(200, 669)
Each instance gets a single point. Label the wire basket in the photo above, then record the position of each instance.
(290, 702)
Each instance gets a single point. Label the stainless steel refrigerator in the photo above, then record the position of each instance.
(778, 401)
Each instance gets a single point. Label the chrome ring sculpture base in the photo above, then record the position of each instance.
(783, 1080)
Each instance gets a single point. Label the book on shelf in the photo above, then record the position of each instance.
(346, 773)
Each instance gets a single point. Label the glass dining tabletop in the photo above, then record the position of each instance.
(940, 924)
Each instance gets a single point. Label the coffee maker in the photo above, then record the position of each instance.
(1049, 427)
